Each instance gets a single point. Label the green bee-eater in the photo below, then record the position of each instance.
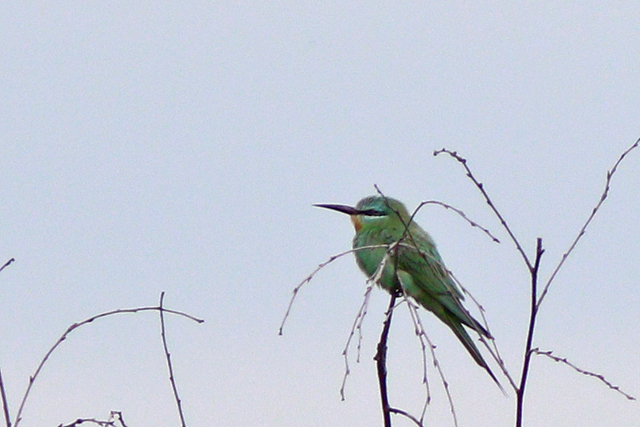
(413, 266)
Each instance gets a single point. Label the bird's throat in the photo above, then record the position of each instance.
(355, 219)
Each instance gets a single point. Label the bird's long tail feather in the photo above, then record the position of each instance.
(471, 347)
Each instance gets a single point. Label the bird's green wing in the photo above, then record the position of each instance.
(450, 318)
(422, 249)
(432, 284)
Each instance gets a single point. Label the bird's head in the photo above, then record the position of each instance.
(373, 211)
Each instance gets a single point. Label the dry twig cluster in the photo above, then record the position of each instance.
(115, 419)
(533, 266)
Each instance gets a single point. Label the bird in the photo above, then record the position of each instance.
(406, 260)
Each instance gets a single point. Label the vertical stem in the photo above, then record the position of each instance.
(5, 403)
(168, 357)
(381, 359)
(532, 325)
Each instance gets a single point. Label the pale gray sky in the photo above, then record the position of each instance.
(156, 146)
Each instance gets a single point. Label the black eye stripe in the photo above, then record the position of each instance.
(372, 212)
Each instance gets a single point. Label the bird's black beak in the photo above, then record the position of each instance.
(341, 208)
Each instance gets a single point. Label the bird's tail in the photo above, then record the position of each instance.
(468, 343)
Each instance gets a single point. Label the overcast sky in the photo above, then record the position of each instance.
(179, 146)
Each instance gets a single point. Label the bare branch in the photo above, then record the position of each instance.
(117, 416)
(604, 195)
(480, 186)
(406, 414)
(418, 329)
(493, 348)
(76, 326)
(530, 332)
(357, 325)
(111, 422)
(381, 361)
(582, 371)
(7, 263)
(444, 205)
(380, 356)
(5, 403)
(421, 332)
(3, 394)
(89, 421)
(314, 272)
(459, 212)
(168, 357)
(362, 314)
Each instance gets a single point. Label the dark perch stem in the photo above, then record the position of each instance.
(5, 404)
(169, 365)
(532, 324)
(381, 362)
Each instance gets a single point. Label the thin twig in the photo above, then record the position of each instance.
(406, 414)
(604, 195)
(418, 329)
(76, 326)
(459, 212)
(111, 422)
(357, 325)
(493, 348)
(3, 394)
(480, 186)
(536, 300)
(117, 416)
(494, 352)
(380, 356)
(532, 324)
(421, 332)
(169, 365)
(362, 314)
(550, 355)
(7, 263)
(5, 403)
(89, 420)
(314, 272)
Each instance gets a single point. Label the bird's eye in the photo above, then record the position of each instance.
(372, 212)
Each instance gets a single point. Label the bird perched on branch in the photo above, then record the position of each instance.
(407, 260)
